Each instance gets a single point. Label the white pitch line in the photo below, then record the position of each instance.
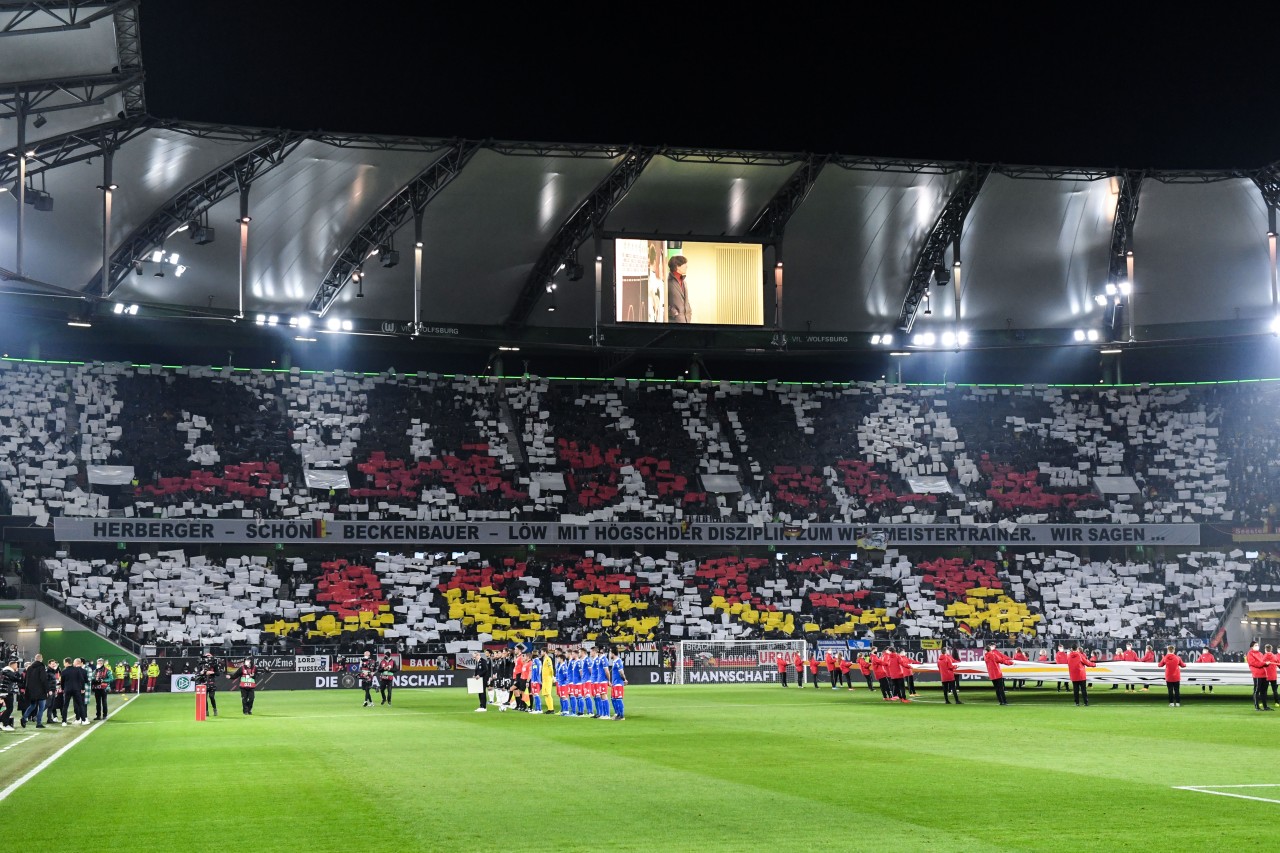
(30, 774)
(1255, 785)
(20, 742)
(1227, 794)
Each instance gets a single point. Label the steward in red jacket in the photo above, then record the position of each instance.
(1077, 663)
(1258, 669)
(781, 661)
(1173, 676)
(993, 659)
(947, 674)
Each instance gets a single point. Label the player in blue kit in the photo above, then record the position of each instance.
(595, 680)
(602, 687)
(576, 678)
(562, 684)
(535, 684)
(618, 679)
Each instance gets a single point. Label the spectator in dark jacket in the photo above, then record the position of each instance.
(36, 683)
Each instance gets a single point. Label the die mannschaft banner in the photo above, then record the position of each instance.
(606, 533)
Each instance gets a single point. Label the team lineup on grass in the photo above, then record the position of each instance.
(585, 682)
(698, 765)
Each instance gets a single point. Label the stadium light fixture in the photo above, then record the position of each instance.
(304, 340)
(80, 324)
(1092, 335)
(40, 121)
(924, 339)
(261, 319)
(1078, 335)
(1124, 287)
(157, 256)
(1275, 325)
(180, 270)
(875, 340)
(347, 325)
(1111, 289)
(119, 309)
(333, 324)
(301, 322)
(273, 320)
(1110, 351)
(1100, 300)
(886, 340)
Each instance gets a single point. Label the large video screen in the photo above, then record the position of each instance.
(673, 281)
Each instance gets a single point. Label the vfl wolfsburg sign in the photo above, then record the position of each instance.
(606, 533)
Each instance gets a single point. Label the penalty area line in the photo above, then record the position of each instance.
(1207, 789)
(30, 774)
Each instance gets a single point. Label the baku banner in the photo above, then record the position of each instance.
(606, 533)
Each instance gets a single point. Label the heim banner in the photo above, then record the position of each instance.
(606, 533)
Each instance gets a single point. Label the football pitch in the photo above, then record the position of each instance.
(724, 767)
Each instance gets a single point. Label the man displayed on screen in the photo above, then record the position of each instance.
(678, 308)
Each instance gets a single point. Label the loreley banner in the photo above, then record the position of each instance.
(606, 533)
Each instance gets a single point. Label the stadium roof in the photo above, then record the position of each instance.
(862, 237)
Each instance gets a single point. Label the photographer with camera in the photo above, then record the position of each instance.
(207, 674)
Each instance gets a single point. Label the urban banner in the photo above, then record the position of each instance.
(607, 533)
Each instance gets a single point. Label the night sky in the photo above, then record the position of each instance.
(1055, 89)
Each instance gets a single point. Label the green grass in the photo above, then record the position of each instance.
(692, 768)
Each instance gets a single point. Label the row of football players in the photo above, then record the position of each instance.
(573, 682)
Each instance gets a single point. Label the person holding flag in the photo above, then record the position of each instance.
(1206, 656)
(1173, 665)
(993, 659)
(947, 675)
(1019, 655)
(1258, 670)
(1077, 664)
